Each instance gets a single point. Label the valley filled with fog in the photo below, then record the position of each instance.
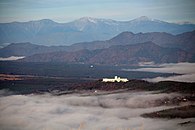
(186, 71)
(76, 111)
(97, 65)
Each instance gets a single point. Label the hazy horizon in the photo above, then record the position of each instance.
(65, 11)
(34, 20)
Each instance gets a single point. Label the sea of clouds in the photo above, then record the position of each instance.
(187, 71)
(119, 111)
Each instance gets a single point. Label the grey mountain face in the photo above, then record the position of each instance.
(48, 32)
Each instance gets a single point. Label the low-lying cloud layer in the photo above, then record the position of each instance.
(11, 58)
(181, 78)
(71, 112)
(186, 69)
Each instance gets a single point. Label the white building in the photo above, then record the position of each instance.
(116, 79)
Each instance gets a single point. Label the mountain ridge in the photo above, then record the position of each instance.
(183, 41)
(117, 55)
(87, 29)
(27, 49)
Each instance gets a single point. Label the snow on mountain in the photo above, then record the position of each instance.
(88, 19)
(144, 19)
(89, 22)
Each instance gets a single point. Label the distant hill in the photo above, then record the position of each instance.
(27, 49)
(86, 29)
(183, 41)
(117, 55)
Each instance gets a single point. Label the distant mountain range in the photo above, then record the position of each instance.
(117, 55)
(183, 41)
(86, 29)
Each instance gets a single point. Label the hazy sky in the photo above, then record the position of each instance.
(68, 10)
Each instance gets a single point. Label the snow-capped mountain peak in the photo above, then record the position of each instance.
(145, 19)
(88, 19)
(84, 22)
(96, 20)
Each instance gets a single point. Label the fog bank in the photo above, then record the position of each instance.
(186, 69)
(11, 58)
(122, 111)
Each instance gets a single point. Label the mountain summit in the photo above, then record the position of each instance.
(87, 19)
(143, 18)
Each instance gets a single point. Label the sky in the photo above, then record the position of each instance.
(122, 10)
